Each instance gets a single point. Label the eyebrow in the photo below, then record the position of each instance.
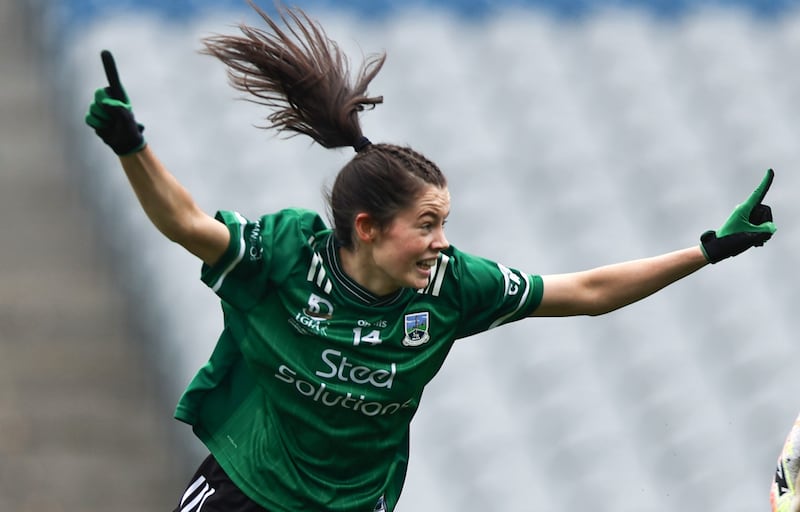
(435, 215)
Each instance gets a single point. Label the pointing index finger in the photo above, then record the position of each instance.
(114, 85)
(758, 194)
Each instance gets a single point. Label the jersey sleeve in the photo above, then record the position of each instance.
(492, 294)
(259, 253)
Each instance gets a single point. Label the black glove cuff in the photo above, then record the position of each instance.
(717, 249)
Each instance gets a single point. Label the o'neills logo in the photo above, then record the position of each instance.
(338, 367)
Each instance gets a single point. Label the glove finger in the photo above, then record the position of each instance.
(101, 95)
(761, 238)
(112, 103)
(94, 122)
(766, 227)
(760, 214)
(758, 194)
(111, 96)
(98, 111)
(114, 89)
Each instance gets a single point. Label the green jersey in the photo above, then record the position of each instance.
(308, 396)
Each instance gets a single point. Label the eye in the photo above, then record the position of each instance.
(429, 227)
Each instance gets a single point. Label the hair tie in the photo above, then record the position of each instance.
(361, 144)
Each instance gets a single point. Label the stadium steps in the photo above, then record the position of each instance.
(82, 426)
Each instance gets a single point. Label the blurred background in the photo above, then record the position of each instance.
(574, 133)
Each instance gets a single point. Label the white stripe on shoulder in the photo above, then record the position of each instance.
(317, 273)
(239, 256)
(316, 263)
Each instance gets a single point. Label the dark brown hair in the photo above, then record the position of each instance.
(304, 78)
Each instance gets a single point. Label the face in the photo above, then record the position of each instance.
(404, 252)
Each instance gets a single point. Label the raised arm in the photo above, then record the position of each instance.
(166, 202)
(604, 289)
(172, 209)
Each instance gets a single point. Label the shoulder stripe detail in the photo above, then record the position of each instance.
(318, 275)
(237, 259)
(316, 261)
(523, 299)
(323, 282)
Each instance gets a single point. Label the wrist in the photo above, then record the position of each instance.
(136, 154)
(709, 246)
(136, 149)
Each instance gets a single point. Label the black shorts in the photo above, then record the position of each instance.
(210, 490)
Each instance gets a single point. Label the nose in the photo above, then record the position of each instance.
(440, 241)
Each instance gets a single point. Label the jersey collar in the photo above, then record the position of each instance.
(355, 290)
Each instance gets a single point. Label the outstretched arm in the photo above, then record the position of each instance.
(166, 202)
(604, 289)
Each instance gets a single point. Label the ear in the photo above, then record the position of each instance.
(364, 228)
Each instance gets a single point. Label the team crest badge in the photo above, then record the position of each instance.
(416, 329)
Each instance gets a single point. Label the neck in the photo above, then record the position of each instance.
(358, 264)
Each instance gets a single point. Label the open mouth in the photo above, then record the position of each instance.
(426, 264)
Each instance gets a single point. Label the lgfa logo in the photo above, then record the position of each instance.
(416, 327)
(318, 308)
(314, 317)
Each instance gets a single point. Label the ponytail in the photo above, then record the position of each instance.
(301, 75)
(304, 78)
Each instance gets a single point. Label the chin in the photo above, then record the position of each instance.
(419, 284)
(414, 280)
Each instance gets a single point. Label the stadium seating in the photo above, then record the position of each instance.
(573, 135)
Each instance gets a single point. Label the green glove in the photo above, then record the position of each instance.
(749, 225)
(111, 114)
